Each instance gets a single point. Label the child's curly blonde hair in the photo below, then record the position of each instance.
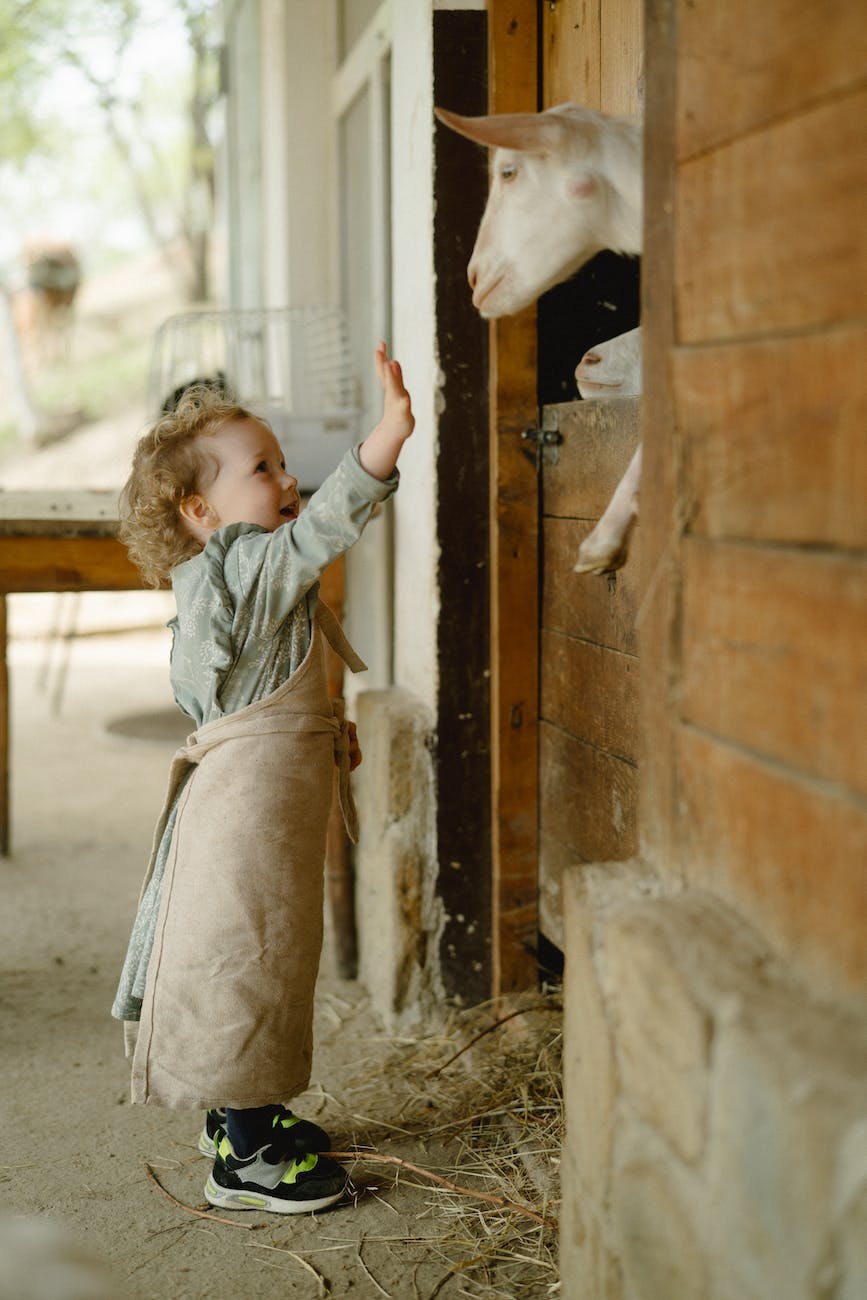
(171, 462)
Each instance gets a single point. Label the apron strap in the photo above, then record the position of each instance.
(336, 638)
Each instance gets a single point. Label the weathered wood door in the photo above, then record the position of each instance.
(564, 682)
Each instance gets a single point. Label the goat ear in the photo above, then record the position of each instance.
(526, 132)
(583, 186)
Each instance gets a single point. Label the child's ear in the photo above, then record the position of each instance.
(196, 513)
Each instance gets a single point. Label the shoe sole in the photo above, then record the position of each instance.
(227, 1198)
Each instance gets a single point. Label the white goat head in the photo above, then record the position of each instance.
(566, 184)
(612, 368)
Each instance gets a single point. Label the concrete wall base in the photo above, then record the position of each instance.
(716, 1114)
(399, 917)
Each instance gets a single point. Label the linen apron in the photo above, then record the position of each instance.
(227, 1014)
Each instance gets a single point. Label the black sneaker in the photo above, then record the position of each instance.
(215, 1124)
(294, 1135)
(299, 1134)
(268, 1180)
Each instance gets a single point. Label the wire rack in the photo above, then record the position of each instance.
(289, 365)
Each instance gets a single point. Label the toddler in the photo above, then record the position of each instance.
(217, 987)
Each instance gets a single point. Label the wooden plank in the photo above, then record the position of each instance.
(598, 439)
(622, 57)
(788, 852)
(572, 53)
(512, 87)
(66, 564)
(591, 692)
(742, 64)
(769, 232)
(775, 450)
(588, 799)
(595, 608)
(660, 475)
(774, 654)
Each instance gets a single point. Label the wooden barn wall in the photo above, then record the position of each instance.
(588, 649)
(757, 697)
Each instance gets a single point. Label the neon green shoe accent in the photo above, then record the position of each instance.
(285, 1121)
(297, 1167)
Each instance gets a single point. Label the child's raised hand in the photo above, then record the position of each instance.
(397, 404)
(379, 451)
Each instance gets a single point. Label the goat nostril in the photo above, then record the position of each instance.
(472, 276)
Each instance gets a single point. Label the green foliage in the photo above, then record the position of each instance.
(47, 45)
(24, 67)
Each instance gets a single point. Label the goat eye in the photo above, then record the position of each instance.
(262, 467)
(508, 172)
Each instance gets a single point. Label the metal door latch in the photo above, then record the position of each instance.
(540, 439)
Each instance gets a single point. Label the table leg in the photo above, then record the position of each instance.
(4, 733)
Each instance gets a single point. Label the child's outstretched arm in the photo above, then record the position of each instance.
(379, 452)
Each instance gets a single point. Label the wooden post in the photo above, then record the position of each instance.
(660, 527)
(339, 867)
(4, 732)
(512, 45)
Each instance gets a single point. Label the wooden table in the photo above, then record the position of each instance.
(54, 541)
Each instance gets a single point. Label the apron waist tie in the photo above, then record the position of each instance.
(344, 788)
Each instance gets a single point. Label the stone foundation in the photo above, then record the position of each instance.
(399, 918)
(716, 1115)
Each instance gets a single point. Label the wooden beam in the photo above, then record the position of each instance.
(661, 524)
(512, 64)
(463, 697)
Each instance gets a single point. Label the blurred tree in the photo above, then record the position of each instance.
(97, 39)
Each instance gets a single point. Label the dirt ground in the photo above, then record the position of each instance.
(84, 801)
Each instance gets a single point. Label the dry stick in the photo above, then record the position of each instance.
(466, 1047)
(200, 1214)
(443, 1182)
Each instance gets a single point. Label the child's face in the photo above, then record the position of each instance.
(252, 486)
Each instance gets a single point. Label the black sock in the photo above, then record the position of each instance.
(251, 1128)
